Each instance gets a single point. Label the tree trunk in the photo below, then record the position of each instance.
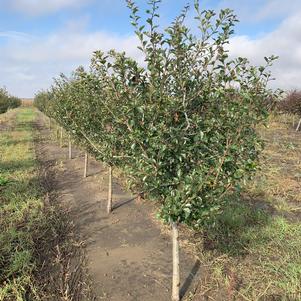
(49, 123)
(176, 263)
(70, 148)
(61, 137)
(86, 164)
(298, 126)
(109, 207)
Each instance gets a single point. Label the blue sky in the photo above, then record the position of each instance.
(40, 39)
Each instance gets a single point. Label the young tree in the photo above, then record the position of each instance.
(83, 105)
(193, 135)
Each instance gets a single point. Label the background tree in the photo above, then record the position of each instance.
(291, 104)
(7, 101)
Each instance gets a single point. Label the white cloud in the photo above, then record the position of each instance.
(277, 8)
(15, 35)
(68, 46)
(258, 10)
(285, 42)
(40, 7)
(28, 65)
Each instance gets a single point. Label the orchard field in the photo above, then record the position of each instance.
(253, 252)
(175, 178)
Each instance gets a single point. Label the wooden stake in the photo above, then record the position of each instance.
(70, 148)
(109, 207)
(175, 262)
(298, 126)
(86, 164)
(61, 137)
(57, 133)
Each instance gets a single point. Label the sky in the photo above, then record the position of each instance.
(41, 39)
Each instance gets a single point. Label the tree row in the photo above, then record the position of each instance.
(181, 125)
(7, 101)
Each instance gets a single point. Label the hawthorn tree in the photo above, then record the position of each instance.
(42, 102)
(193, 117)
(86, 105)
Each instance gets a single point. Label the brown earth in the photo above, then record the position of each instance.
(129, 258)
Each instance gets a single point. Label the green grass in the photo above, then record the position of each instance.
(253, 251)
(37, 242)
(20, 209)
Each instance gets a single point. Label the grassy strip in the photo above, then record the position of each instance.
(36, 242)
(253, 252)
(20, 209)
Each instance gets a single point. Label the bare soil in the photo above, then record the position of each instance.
(129, 258)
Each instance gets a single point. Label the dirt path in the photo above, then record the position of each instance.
(128, 257)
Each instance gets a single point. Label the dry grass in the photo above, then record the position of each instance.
(254, 250)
